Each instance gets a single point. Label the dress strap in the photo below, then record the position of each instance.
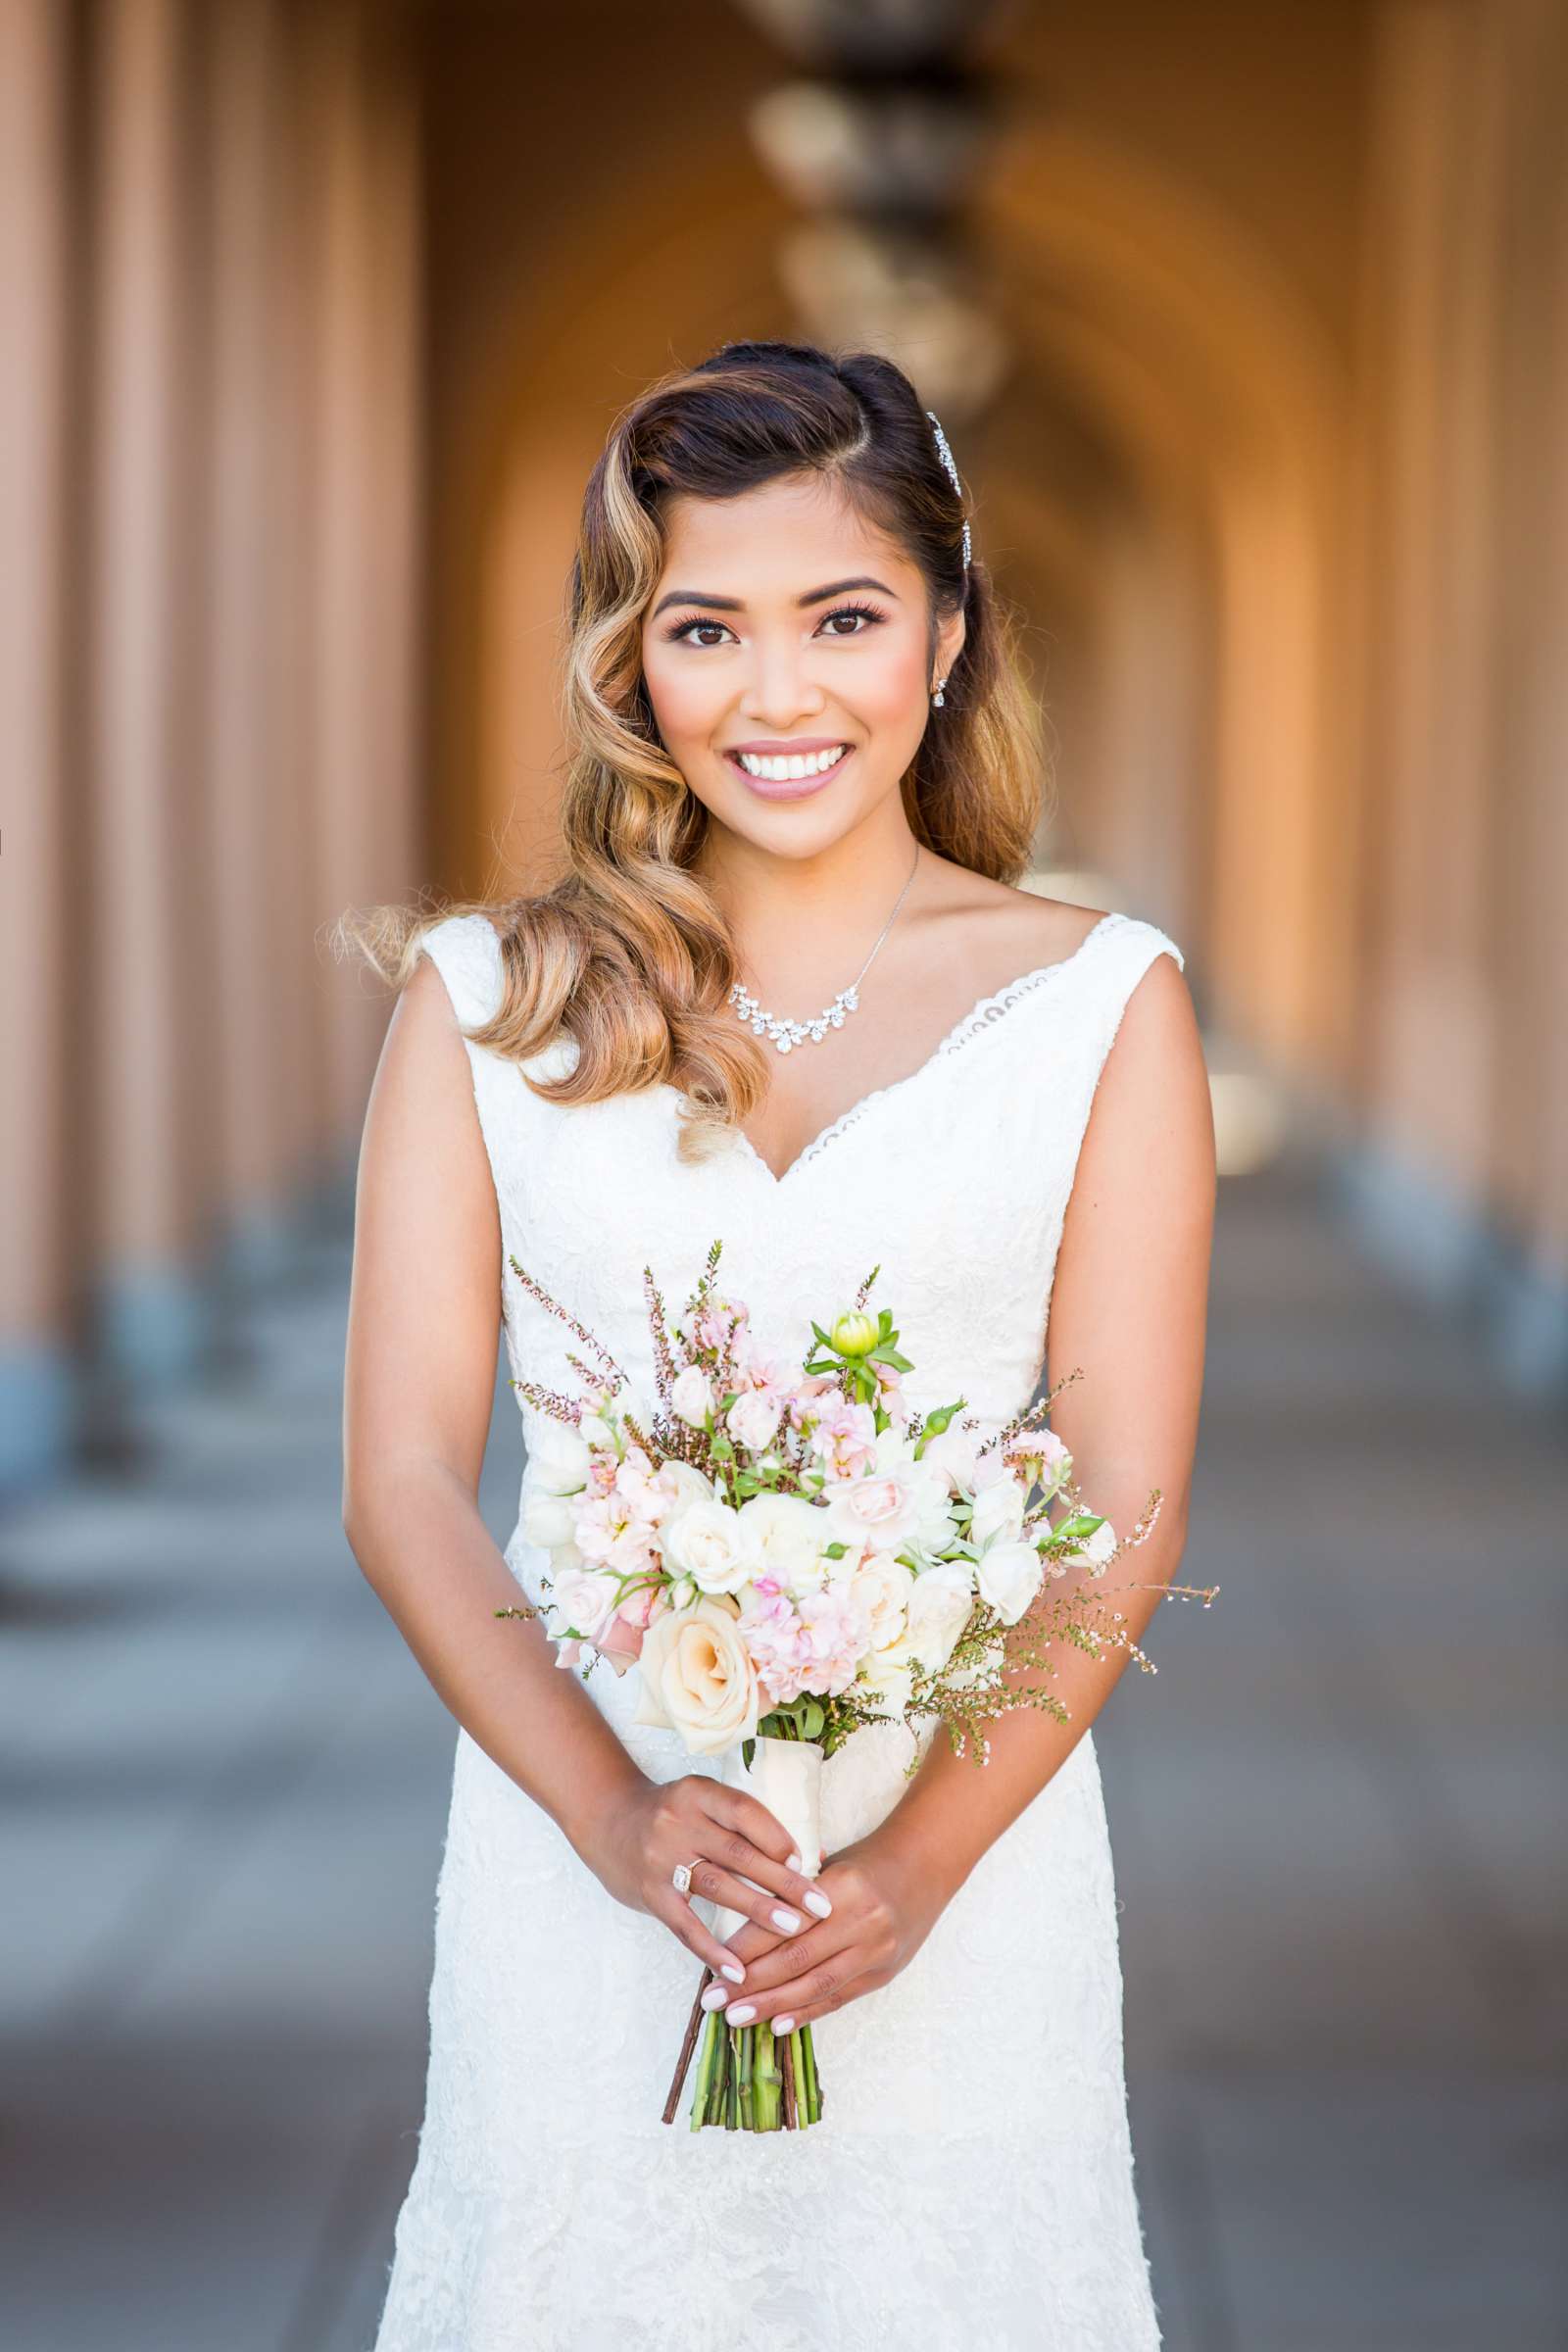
(465, 949)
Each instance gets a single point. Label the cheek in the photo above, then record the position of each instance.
(686, 698)
(889, 689)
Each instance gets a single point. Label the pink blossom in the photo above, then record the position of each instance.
(837, 1634)
(777, 1641)
(622, 1639)
(611, 1533)
(720, 1321)
(806, 1396)
(846, 1437)
(768, 1376)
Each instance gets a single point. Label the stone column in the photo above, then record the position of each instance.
(148, 1073)
(36, 934)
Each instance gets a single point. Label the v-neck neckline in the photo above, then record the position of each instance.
(980, 1014)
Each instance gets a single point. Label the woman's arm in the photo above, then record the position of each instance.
(425, 1314)
(424, 1323)
(1128, 1304)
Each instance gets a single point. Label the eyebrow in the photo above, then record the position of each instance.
(733, 604)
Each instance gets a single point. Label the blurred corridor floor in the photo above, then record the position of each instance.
(224, 1782)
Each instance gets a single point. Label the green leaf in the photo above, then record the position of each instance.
(835, 1552)
(890, 1355)
(748, 1752)
(1073, 1531)
(812, 1719)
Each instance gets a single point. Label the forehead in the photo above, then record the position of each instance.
(784, 535)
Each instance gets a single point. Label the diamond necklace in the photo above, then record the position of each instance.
(787, 1034)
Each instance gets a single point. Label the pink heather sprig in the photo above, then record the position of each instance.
(536, 1290)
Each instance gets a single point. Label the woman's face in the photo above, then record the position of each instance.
(785, 629)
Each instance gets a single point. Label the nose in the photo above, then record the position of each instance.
(781, 690)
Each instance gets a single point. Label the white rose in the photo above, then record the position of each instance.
(882, 1586)
(1009, 1575)
(784, 1537)
(999, 1511)
(595, 1431)
(708, 1542)
(939, 1607)
(549, 1519)
(1096, 1552)
(753, 1419)
(697, 1678)
(583, 1600)
(691, 1395)
(558, 1457)
(951, 1451)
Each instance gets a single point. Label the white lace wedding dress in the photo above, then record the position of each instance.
(971, 2178)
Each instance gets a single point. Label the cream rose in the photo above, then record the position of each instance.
(583, 1600)
(940, 1605)
(708, 1542)
(784, 1535)
(898, 1502)
(698, 1678)
(882, 1586)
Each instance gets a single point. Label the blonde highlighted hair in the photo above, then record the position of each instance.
(627, 952)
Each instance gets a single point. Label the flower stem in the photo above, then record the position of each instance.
(766, 2083)
(705, 2072)
(813, 2088)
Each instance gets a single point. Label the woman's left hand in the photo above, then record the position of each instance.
(884, 1907)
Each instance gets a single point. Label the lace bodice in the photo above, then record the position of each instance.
(973, 2174)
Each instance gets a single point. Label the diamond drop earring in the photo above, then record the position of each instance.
(938, 698)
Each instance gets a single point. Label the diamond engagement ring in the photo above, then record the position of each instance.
(681, 1877)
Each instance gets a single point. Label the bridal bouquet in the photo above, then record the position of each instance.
(788, 1554)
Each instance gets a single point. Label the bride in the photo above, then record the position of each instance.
(785, 993)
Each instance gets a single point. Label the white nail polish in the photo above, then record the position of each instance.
(796, 1862)
(819, 1903)
(788, 1921)
(783, 2026)
(714, 1997)
(735, 1972)
(741, 2015)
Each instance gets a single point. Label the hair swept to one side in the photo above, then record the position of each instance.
(627, 952)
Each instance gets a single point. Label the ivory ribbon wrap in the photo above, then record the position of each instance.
(785, 1776)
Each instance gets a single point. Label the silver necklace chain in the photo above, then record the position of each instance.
(787, 1034)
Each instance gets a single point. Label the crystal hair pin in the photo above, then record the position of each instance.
(952, 471)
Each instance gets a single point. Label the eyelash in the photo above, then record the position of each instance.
(868, 613)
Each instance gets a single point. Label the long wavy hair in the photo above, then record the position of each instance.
(627, 952)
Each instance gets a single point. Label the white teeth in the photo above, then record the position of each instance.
(782, 770)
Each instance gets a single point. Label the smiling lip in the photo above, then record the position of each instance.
(787, 788)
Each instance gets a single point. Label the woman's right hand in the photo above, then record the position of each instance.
(727, 1836)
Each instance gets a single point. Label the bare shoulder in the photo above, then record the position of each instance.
(1153, 1104)
(991, 931)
